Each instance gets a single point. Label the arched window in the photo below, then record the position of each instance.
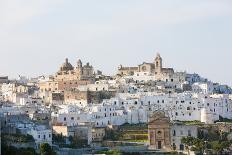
(157, 63)
(144, 68)
(174, 132)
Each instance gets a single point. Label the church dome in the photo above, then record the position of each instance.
(66, 66)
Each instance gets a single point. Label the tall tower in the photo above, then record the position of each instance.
(79, 67)
(79, 63)
(158, 63)
(66, 60)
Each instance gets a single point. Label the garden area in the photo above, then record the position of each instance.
(69, 142)
(128, 132)
(213, 141)
(17, 138)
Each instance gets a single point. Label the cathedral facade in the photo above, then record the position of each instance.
(155, 68)
(80, 72)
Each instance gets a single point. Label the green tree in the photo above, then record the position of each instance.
(10, 150)
(187, 141)
(219, 146)
(45, 149)
(196, 144)
(216, 146)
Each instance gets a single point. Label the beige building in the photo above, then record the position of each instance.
(155, 68)
(62, 130)
(159, 132)
(81, 131)
(166, 136)
(51, 91)
(67, 77)
(98, 134)
(160, 72)
(61, 85)
(80, 72)
(76, 95)
(126, 70)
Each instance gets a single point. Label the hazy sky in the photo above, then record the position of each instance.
(195, 35)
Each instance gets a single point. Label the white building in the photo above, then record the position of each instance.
(179, 131)
(135, 108)
(203, 87)
(41, 134)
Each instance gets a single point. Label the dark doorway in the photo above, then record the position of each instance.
(159, 145)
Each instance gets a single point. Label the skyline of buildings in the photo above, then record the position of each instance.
(114, 72)
(115, 77)
(193, 36)
(80, 107)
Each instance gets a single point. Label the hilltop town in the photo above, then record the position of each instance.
(142, 109)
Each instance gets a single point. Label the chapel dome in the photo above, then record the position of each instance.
(66, 66)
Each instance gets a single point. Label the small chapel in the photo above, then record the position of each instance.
(159, 132)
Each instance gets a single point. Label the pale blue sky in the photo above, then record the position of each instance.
(195, 35)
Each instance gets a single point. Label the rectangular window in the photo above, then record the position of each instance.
(189, 133)
(181, 132)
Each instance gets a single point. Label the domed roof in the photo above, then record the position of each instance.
(66, 66)
(88, 65)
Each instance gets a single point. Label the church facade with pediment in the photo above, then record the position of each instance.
(159, 132)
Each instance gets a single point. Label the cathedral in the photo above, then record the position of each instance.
(155, 68)
(80, 72)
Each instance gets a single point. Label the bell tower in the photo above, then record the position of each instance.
(158, 63)
(79, 63)
(79, 67)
